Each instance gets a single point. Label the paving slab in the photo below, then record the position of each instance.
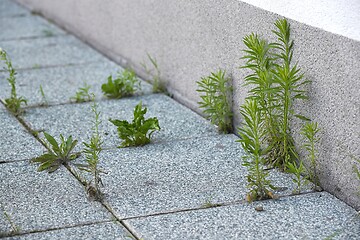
(16, 143)
(310, 216)
(178, 175)
(176, 121)
(51, 51)
(27, 27)
(61, 83)
(11, 9)
(39, 201)
(100, 231)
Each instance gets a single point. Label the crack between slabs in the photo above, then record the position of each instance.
(33, 37)
(213, 205)
(53, 66)
(54, 228)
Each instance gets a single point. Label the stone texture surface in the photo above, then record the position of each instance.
(97, 231)
(45, 52)
(27, 27)
(9, 8)
(61, 83)
(176, 121)
(38, 201)
(178, 175)
(190, 39)
(310, 216)
(16, 143)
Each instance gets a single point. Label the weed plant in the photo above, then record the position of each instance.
(215, 90)
(251, 134)
(83, 95)
(298, 170)
(14, 103)
(125, 84)
(309, 132)
(275, 84)
(44, 99)
(139, 131)
(57, 154)
(155, 72)
(92, 151)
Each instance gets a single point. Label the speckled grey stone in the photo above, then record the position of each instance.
(38, 201)
(175, 120)
(29, 26)
(11, 9)
(16, 143)
(61, 83)
(100, 231)
(178, 175)
(51, 51)
(310, 216)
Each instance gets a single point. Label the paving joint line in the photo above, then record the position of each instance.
(33, 37)
(20, 69)
(54, 228)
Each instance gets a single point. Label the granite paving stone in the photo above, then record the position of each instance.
(16, 143)
(97, 231)
(39, 201)
(175, 120)
(178, 175)
(51, 51)
(25, 27)
(310, 216)
(11, 9)
(61, 83)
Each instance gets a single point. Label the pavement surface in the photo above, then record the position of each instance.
(188, 183)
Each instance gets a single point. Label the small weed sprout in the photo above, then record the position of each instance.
(309, 132)
(356, 170)
(92, 151)
(14, 103)
(156, 81)
(252, 133)
(48, 33)
(125, 84)
(14, 228)
(298, 170)
(57, 154)
(44, 100)
(83, 95)
(216, 90)
(139, 131)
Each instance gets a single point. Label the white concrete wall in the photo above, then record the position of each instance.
(192, 38)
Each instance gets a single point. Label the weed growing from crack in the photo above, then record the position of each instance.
(44, 99)
(155, 72)
(14, 103)
(57, 154)
(125, 84)
(139, 131)
(309, 132)
(298, 170)
(92, 151)
(252, 132)
(216, 90)
(14, 228)
(276, 83)
(83, 95)
(48, 33)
